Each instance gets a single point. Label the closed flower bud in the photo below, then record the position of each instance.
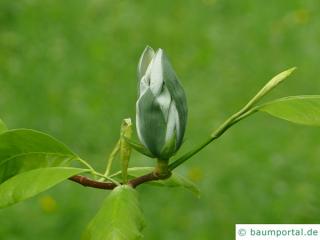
(161, 108)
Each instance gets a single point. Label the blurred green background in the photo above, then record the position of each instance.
(69, 68)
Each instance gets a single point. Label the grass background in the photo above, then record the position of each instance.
(69, 68)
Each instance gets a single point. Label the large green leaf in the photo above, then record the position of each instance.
(28, 184)
(176, 180)
(120, 217)
(298, 109)
(3, 126)
(23, 149)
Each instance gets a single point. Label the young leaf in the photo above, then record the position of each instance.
(111, 157)
(28, 184)
(23, 149)
(247, 110)
(298, 109)
(175, 180)
(3, 127)
(120, 217)
(275, 81)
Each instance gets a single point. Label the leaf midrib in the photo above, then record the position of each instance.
(30, 153)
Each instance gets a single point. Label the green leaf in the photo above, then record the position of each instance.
(120, 217)
(23, 149)
(28, 184)
(298, 109)
(176, 180)
(3, 127)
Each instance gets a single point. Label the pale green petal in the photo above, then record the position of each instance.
(156, 74)
(144, 61)
(178, 95)
(151, 123)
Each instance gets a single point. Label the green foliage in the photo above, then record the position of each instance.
(3, 126)
(298, 109)
(28, 184)
(60, 73)
(24, 149)
(120, 217)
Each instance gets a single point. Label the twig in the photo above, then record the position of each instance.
(87, 182)
(145, 178)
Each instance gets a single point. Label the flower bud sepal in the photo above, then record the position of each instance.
(139, 148)
(169, 149)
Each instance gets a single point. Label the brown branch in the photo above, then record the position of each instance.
(87, 182)
(143, 179)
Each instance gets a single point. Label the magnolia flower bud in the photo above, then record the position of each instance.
(161, 109)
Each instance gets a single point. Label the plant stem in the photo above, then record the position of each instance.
(243, 113)
(162, 168)
(86, 164)
(94, 172)
(111, 158)
(188, 155)
(106, 177)
(87, 182)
